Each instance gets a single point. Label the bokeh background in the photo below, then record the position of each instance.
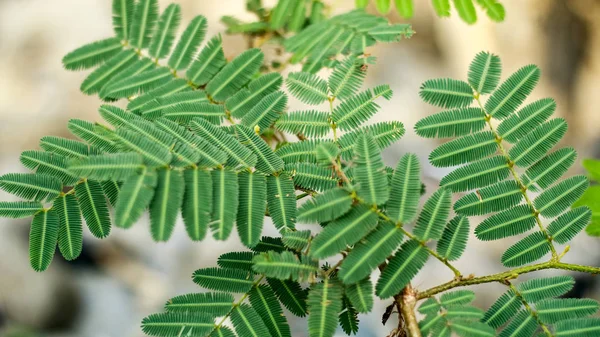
(118, 281)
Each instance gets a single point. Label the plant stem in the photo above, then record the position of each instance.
(531, 311)
(407, 303)
(505, 276)
(522, 186)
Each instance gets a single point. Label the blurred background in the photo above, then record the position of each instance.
(118, 281)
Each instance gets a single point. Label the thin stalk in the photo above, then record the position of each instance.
(531, 311)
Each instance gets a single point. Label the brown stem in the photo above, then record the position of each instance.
(407, 308)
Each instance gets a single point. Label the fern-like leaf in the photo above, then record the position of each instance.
(344, 231)
(369, 171)
(227, 280)
(325, 207)
(297, 240)
(30, 186)
(99, 77)
(523, 324)
(360, 295)
(454, 239)
(130, 86)
(234, 75)
(357, 109)
(404, 194)
(312, 177)
(512, 92)
(225, 202)
(529, 249)
(559, 309)
(86, 131)
(385, 133)
(67, 147)
(93, 207)
(136, 194)
(263, 300)
(283, 266)
(173, 324)
(537, 289)
(92, 54)
(478, 174)
(197, 202)
(252, 207)
(561, 196)
(429, 306)
(484, 72)
(402, 267)
(122, 15)
(117, 166)
(171, 87)
(535, 145)
(324, 305)
(446, 93)
(70, 231)
(468, 328)
(281, 200)
(42, 239)
(49, 164)
(298, 152)
(236, 260)
(19, 209)
(550, 168)
(145, 16)
(346, 78)
(308, 88)
(568, 225)
(165, 205)
(451, 123)
(245, 99)
(266, 111)
(494, 198)
(213, 304)
(516, 220)
(291, 295)
(430, 223)
(502, 310)
(309, 123)
(163, 37)
(584, 327)
(154, 154)
(370, 252)
(520, 124)
(188, 44)
(463, 150)
(208, 63)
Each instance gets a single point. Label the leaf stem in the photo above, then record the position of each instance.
(522, 186)
(505, 276)
(238, 303)
(531, 311)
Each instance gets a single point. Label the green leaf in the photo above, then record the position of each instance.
(466, 10)
(284, 265)
(193, 148)
(383, 6)
(465, 312)
(268, 243)
(537, 289)
(370, 253)
(42, 239)
(446, 93)
(188, 44)
(303, 151)
(361, 3)
(183, 113)
(494, 9)
(92, 54)
(266, 111)
(136, 194)
(67, 147)
(324, 305)
(539, 141)
(281, 13)
(31, 186)
(222, 331)
(247, 322)
(561, 196)
(429, 306)
(454, 239)
(225, 202)
(345, 231)
(385, 133)
(291, 295)
(281, 200)
(369, 171)
(163, 37)
(581, 327)
(528, 118)
(116, 166)
(122, 15)
(171, 87)
(467, 328)
(484, 72)
(464, 150)
(312, 177)
(236, 260)
(327, 154)
(514, 221)
(451, 123)
(527, 250)
(93, 207)
(308, 88)
(111, 189)
(245, 99)
(145, 16)
(550, 168)
(19, 209)
(86, 131)
(99, 77)
(523, 324)
(432, 322)
(174, 324)
(593, 168)
(154, 154)
(139, 83)
(502, 310)
(360, 294)
(457, 297)
(512, 92)
(70, 231)
(142, 66)
(441, 7)
(213, 304)
(346, 78)
(297, 240)
(227, 280)
(197, 202)
(238, 154)
(208, 63)
(357, 109)
(49, 164)
(298, 18)
(309, 123)
(494, 198)
(434, 214)
(165, 205)
(569, 224)
(325, 207)
(252, 207)
(391, 33)
(591, 200)
(160, 105)
(263, 300)
(478, 174)
(401, 268)
(267, 162)
(348, 318)
(405, 8)
(559, 309)
(234, 75)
